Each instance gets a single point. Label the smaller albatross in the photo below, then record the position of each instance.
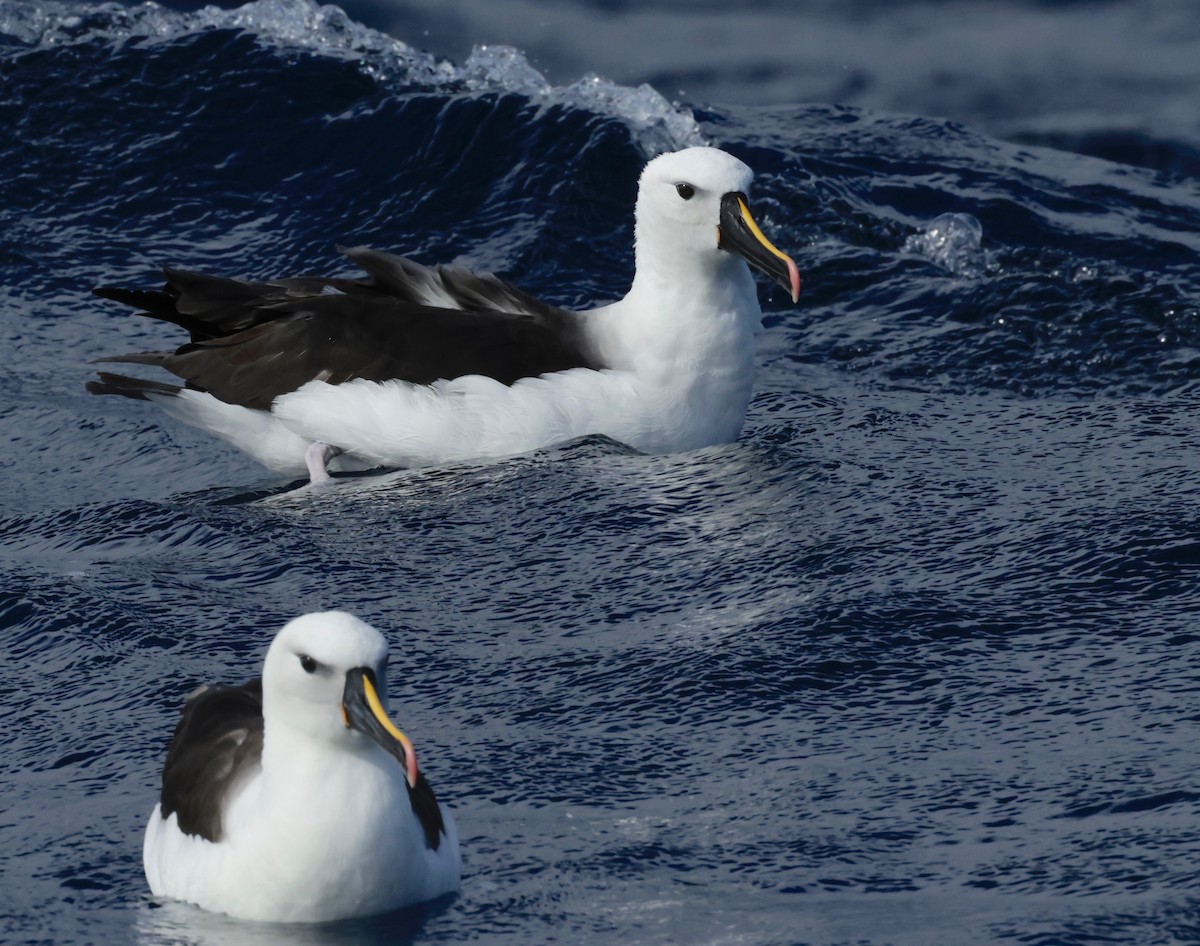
(293, 797)
(421, 366)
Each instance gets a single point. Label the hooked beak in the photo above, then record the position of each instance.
(738, 233)
(362, 710)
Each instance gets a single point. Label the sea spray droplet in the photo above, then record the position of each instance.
(489, 68)
(952, 241)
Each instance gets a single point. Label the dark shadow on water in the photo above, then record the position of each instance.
(169, 923)
(225, 496)
(583, 448)
(1131, 805)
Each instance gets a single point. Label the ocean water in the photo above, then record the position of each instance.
(915, 661)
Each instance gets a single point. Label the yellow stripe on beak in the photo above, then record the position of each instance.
(410, 754)
(740, 234)
(759, 235)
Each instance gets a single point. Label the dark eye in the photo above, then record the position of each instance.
(309, 665)
(686, 191)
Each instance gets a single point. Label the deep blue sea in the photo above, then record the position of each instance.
(916, 661)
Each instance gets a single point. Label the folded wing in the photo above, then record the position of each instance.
(253, 341)
(217, 743)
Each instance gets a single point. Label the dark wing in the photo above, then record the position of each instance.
(252, 342)
(217, 743)
(425, 807)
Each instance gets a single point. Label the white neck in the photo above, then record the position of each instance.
(682, 317)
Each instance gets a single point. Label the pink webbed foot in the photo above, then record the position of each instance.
(316, 457)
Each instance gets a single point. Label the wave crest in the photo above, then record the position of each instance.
(288, 26)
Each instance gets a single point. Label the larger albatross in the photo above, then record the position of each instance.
(293, 797)
(427, 366)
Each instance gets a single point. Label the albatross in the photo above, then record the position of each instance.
(294, 798)
(418, 366)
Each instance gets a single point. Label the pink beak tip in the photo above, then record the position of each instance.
(794, 272)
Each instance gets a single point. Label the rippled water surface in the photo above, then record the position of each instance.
(915, 661)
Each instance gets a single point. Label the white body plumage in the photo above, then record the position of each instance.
(321, 826)
(672, 363)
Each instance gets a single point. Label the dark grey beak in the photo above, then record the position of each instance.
(363, 710)
(738, 233)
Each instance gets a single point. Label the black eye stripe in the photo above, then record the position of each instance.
(309, 665)
(686, 191)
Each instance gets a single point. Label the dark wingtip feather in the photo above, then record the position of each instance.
(99, 387)
(148, 300)
(125, 386)
(153, 358)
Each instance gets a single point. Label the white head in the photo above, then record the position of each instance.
(325, 678)
(692, 214)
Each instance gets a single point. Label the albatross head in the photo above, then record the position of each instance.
(692, 206)
(325, 679)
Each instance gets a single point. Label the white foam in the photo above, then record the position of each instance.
(286, 25)
(657, 124)
(952, 241)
